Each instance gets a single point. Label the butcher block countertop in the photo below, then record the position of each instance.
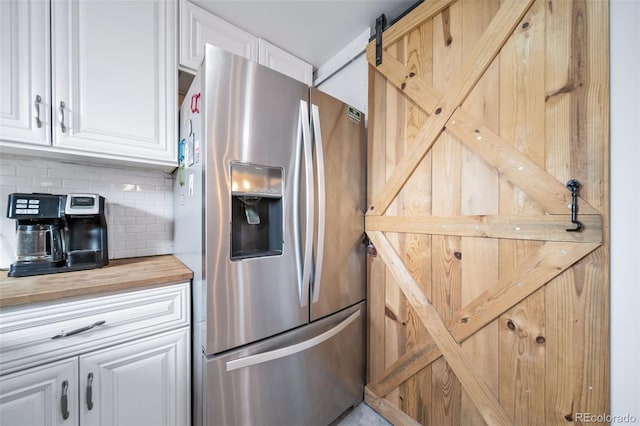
(120, 274)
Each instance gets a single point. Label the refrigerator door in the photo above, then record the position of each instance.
(308, 376)
(252, 152)
(338, 278)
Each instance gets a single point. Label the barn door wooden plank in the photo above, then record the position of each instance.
(550, 261)
(486, 403)
(417, 250)
(521, 94)
(377, 268)
(485, 51)
(577, 126)
(395, 304)
(446, 272)
(479, 256)
(540, 227)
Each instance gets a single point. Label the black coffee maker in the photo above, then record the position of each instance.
(58, 233)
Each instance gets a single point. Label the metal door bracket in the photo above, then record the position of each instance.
(573, 186)
(381, 23)
(371, 249)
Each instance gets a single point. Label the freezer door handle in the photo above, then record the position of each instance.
(317, 134)
(303, 256)
(292, 349)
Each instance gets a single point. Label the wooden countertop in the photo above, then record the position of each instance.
(120, 274)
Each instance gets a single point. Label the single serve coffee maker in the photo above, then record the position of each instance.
(58, 233)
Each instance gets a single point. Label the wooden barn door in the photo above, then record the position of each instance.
(483, 308)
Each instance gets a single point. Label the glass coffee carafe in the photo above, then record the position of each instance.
(38, 243)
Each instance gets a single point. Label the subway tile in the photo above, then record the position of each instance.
(134, 244)
(61, 172)
(7, 169)
(74, 185)
(134, 228)
(31, 171)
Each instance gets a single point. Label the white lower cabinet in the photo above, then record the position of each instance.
(138, 383)
(45, 395)
(120, 359)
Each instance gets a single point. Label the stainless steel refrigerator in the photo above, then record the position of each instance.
(269, 215)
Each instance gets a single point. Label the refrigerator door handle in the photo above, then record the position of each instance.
(250, 360)
(317, 278)
(303, 257)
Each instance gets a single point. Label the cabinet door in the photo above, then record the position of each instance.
(284, 62)
(145, 382)
(24, 72)
(197, 27)
(45, 395)
(115, 78)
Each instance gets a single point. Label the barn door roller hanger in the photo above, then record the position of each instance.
(381, 23)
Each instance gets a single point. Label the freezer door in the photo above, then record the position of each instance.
(252, 151)
(308, 376)
(339, 158)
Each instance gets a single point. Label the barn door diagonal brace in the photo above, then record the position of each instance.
(485, 51)
(478, 391)
(551, 260)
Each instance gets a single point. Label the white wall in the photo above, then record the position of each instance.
(345, 76)
(349, 84)
(625, 208)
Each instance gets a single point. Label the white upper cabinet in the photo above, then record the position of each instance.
(197, 27)
(284, 62)
(90, 80)
(25, 91)
(115, 77)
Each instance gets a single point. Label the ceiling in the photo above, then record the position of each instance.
(313, 30)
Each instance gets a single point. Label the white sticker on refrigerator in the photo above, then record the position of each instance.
(190, 184)
(190, 150)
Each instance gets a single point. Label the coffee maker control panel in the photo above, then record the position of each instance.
(35, 206)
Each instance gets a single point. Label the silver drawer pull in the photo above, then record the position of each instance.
(36, 105)
(63, 127)
(89, 392)
(79, 330)
(64, 404)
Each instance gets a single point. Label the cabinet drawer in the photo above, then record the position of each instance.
(85, 324)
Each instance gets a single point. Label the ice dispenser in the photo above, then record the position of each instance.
(256, 211)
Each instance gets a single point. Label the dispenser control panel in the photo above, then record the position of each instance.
(255, 179)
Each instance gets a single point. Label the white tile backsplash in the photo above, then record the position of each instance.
(139, 207)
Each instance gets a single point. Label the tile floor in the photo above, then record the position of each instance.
(361, 415)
